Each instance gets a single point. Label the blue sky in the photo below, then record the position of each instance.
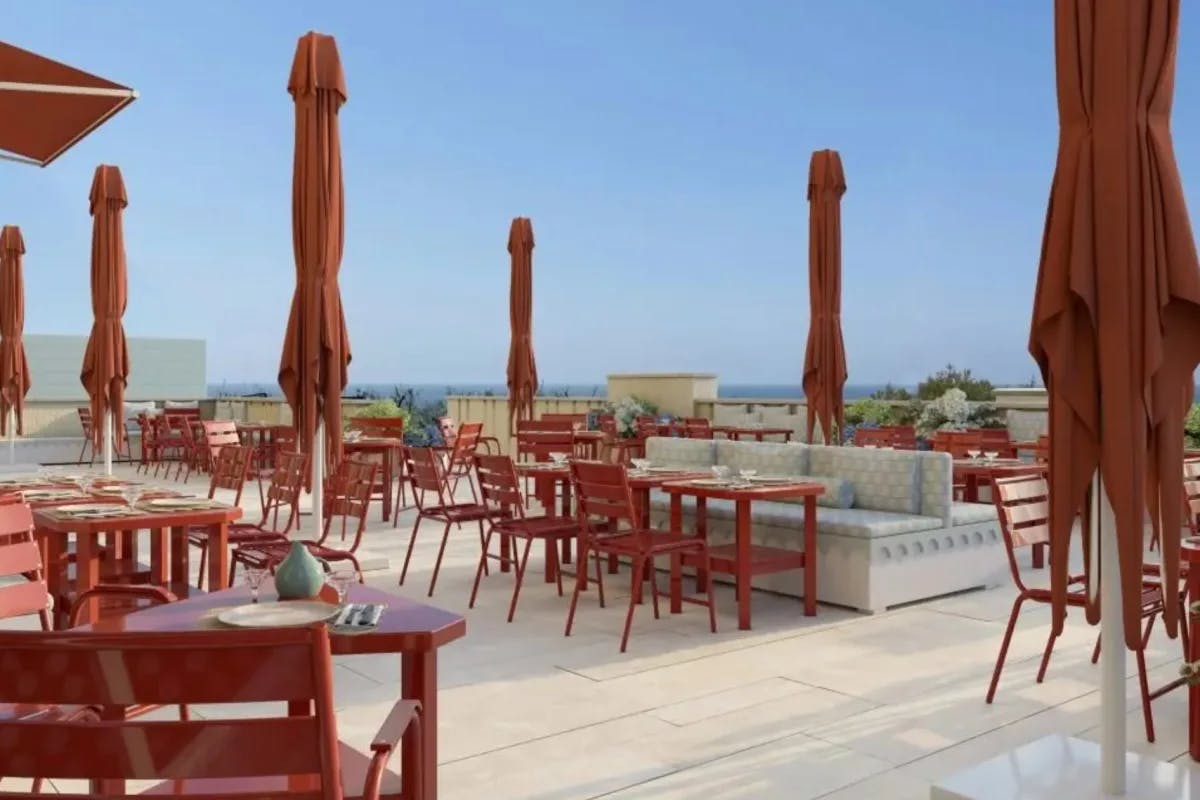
(661, 150)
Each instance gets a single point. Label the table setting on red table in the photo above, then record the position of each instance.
(755, 431)
(116, 516)
(741, 558)
(981, 468)
(385, 448)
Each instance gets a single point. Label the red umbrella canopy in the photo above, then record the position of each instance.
(1116, 318)
(522, 369)
(14, 372)
(47, 106)
(825, 355)
(314, 367)
(106, 360)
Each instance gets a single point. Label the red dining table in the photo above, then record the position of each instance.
(413, 630)
(385, 448)
(168, 546)
(743, 559)
(975, 473)
(755, 432)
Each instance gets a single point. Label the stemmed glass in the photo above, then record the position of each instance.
(131, 493)
(746, 475)
(85, 482)
(991, 455)
(558, 459)
(721, 473)
(973, 455)
(255, 576)
(640, 464)
(340, 579)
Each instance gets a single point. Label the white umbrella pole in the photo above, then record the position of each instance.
(108, 432)
(1112, 644)
(12, 436)
(318, 483)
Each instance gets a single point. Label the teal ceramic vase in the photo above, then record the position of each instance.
(300, 575)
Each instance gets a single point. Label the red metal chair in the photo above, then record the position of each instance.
(120, 446)
(459, 463)
(697, 428)
(1023, 505)
(449, 430)
(610, 525)
(384, 428)
(873, 437)
(282, 497)
(226, 758)
(500, 489)
(148, 443)
(428, 479)
(229, 471)
(347, 498)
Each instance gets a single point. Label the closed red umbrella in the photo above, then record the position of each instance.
(106, 360)
(313, 370)
(47, 106)
(825, 355)
(522, 369)
(14, 372)
(1116, 318)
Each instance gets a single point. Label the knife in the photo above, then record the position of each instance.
(371, 616)
(347, 612)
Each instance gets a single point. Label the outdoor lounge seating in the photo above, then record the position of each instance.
(887, 528)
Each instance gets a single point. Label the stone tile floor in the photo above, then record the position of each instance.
(842, 706)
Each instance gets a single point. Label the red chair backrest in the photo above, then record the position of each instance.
(541, 444)
(230, 467)
(464, 448)
(425, 474)
(1023, 503)
(601, 495)
(85, 421)
(1191, 494)
(280, 665)
(697, 428)
(287, 483)
(348, 497)
(19, 555)
(382, 427)
(872, 437)
(569, 419)
(499, 487)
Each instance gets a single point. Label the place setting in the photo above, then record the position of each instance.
(306, 594)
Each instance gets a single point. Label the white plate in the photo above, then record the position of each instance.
(109, 490)
(770, 479)
(43, 494)
(90, 508)
(713, 482)
(179, 502)
(279, 614)
(664, 469)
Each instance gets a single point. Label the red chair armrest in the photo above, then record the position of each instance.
(404, 714)
(156, 594)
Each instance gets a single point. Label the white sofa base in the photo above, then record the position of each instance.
(873, 575)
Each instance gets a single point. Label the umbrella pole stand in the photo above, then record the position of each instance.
(1060, 767)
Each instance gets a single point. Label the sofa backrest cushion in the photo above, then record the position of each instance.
(769, 458)
(937, 485)
(673, 452)
(883, 480)
(839, 492)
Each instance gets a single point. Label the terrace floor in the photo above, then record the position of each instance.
(841, 706)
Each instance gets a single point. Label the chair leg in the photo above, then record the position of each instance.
(203, 561)
(639, 565)
(558, 577)
(483, 557)
(520, 570)
(1096, 650)
(599, 574)
(437, 565)
(481, 542)
(1143, 681)
(712, 604)
(1041, 676)
(583, 554)
(1008, 632)
(654, 588)
(412, 539)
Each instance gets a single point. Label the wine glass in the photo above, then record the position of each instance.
(131, 493)
(991, 455)
(558, 459)
(340, 579)
(747, 476)
(255, 576)
(721, 473)
(85, 482)
(973, 454)
(640, 464)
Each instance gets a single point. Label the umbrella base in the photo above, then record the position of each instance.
(1062, 768)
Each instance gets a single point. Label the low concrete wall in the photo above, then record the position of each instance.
(1026, 411)
(674, 393)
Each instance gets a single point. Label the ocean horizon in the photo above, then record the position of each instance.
(434, 392)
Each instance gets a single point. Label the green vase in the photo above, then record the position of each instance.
(300, 576)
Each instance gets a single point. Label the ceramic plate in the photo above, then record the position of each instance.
(279, 614)
(713, 482)
(91, 508)
(664, 469)
(42, 494)
(178, 502)
(109, 489)
(770, 479)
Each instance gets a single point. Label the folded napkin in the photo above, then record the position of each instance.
(357, 618)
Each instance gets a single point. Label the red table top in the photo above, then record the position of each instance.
(405, 625)
(758, 492)
(47, 520)
(636, 480)
(752, 429)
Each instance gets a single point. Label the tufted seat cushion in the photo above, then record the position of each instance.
(858, 523)
(969, 513)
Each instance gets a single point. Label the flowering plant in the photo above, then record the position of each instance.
(949, 412)
(626, 411)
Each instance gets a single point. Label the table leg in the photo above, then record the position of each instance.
(743, 564)
(787, 437)
(179, 556)
(810, 556)
(52, 546)
(1039, 556)
(971, 489)
(676, 566)
(566, 512)
(418, 681)
(87, 572)
(702, 576)
(218, 556)
(158, 556)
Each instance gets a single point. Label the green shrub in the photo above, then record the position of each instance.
(1191, 426)
(385, 408)
(890, 392)
(935, 386)
(868, 411)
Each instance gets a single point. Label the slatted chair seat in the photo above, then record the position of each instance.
(459, 512)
